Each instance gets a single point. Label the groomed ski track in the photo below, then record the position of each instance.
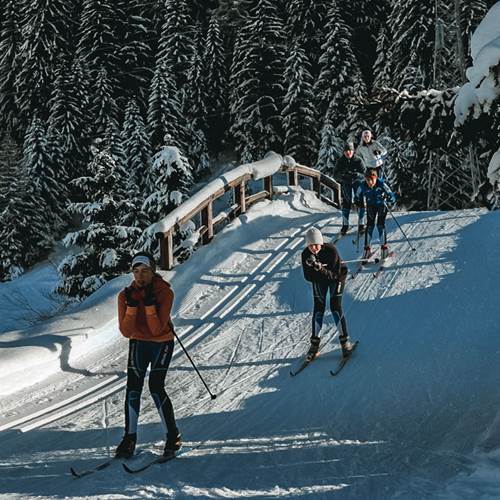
(414, 415)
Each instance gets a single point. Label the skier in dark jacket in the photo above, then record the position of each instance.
(323, 267)
(377, 194)
(349, 171)
(144, 309)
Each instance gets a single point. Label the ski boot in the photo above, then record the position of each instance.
(367, 254)
(313, 350)
(172, 444)
(384, 252)
(344, 229)
(127, 447)
(347, 348)
(361, 229)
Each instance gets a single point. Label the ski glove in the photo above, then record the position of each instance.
(129, 298)
(149, 295)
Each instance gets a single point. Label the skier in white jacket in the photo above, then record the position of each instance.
(371, 152)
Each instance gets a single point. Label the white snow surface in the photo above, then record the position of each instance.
(494, 168)
(483, 87)
(415, 414)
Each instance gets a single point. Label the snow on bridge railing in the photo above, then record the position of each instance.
(202, 203)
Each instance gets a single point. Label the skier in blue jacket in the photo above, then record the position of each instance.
(377, 195)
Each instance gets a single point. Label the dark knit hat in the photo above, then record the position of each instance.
(348, 146)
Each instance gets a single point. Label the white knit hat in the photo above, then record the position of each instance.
(314, 236)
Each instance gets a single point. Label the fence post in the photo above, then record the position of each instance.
(293, 178)
(166, 250)
(316, 186)
(268, 186)
(207, 220)
(239, 198)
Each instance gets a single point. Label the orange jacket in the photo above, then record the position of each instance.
(147, 322)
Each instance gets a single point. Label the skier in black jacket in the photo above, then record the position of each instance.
(349, 170)
(323, 267)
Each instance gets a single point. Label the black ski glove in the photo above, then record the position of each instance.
(314, 263)
(129, 298)
(149, 295)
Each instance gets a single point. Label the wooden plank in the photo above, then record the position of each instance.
(257, 197)
(166, 250)
(268, 185)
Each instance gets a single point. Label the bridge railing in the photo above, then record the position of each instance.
(201, 205)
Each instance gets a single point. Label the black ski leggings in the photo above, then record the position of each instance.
(378, 213)
(320, 291)
(143, 353)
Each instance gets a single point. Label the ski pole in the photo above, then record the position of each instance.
(400, 228)
(212, 396)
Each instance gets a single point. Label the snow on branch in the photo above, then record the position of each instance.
(483, 88)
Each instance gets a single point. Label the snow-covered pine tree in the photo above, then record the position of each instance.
(10, 40)
(257, 88)
(412, 45)
(176, 44)
(164, 110)
(331, 144)
(136, 146)
(102, 104)
(340, 87)
(195, 111)
(383, 76)
(67, 119)
(215, 78)
(306, 22)
(98, 41)
(136, 57)
(10, 156)
(298, 113)
(113, 143)
(45, 27)
(169, 181)
(24, 237)
(46, 178)
(27, 221)
(105, 242)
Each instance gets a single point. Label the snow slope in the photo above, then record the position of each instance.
(414, 415)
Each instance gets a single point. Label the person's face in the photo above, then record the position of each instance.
(349, 153)
(315, 248)
(367, 136)
(371, 180)
(143, 275)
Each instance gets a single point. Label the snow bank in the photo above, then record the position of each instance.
(483, 87)
(269, 165)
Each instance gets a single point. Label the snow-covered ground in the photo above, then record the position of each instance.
(414, 415)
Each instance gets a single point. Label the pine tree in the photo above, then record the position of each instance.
(102, 104)
(136, 57)
(164, 110)
(412, 45)
(105, 241)
(10, 40)
(331, 144)
(136, 146)
(176, 44)
(257, 83)
(298, 113)
(98, 42)
(24, 238)
(45, 27)
(306, 25)
(67, 120)
(169, 181)
(382, 69)
(215, 83)
(340, 87)
(10, 155)
(472, 13)
(47, 179)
